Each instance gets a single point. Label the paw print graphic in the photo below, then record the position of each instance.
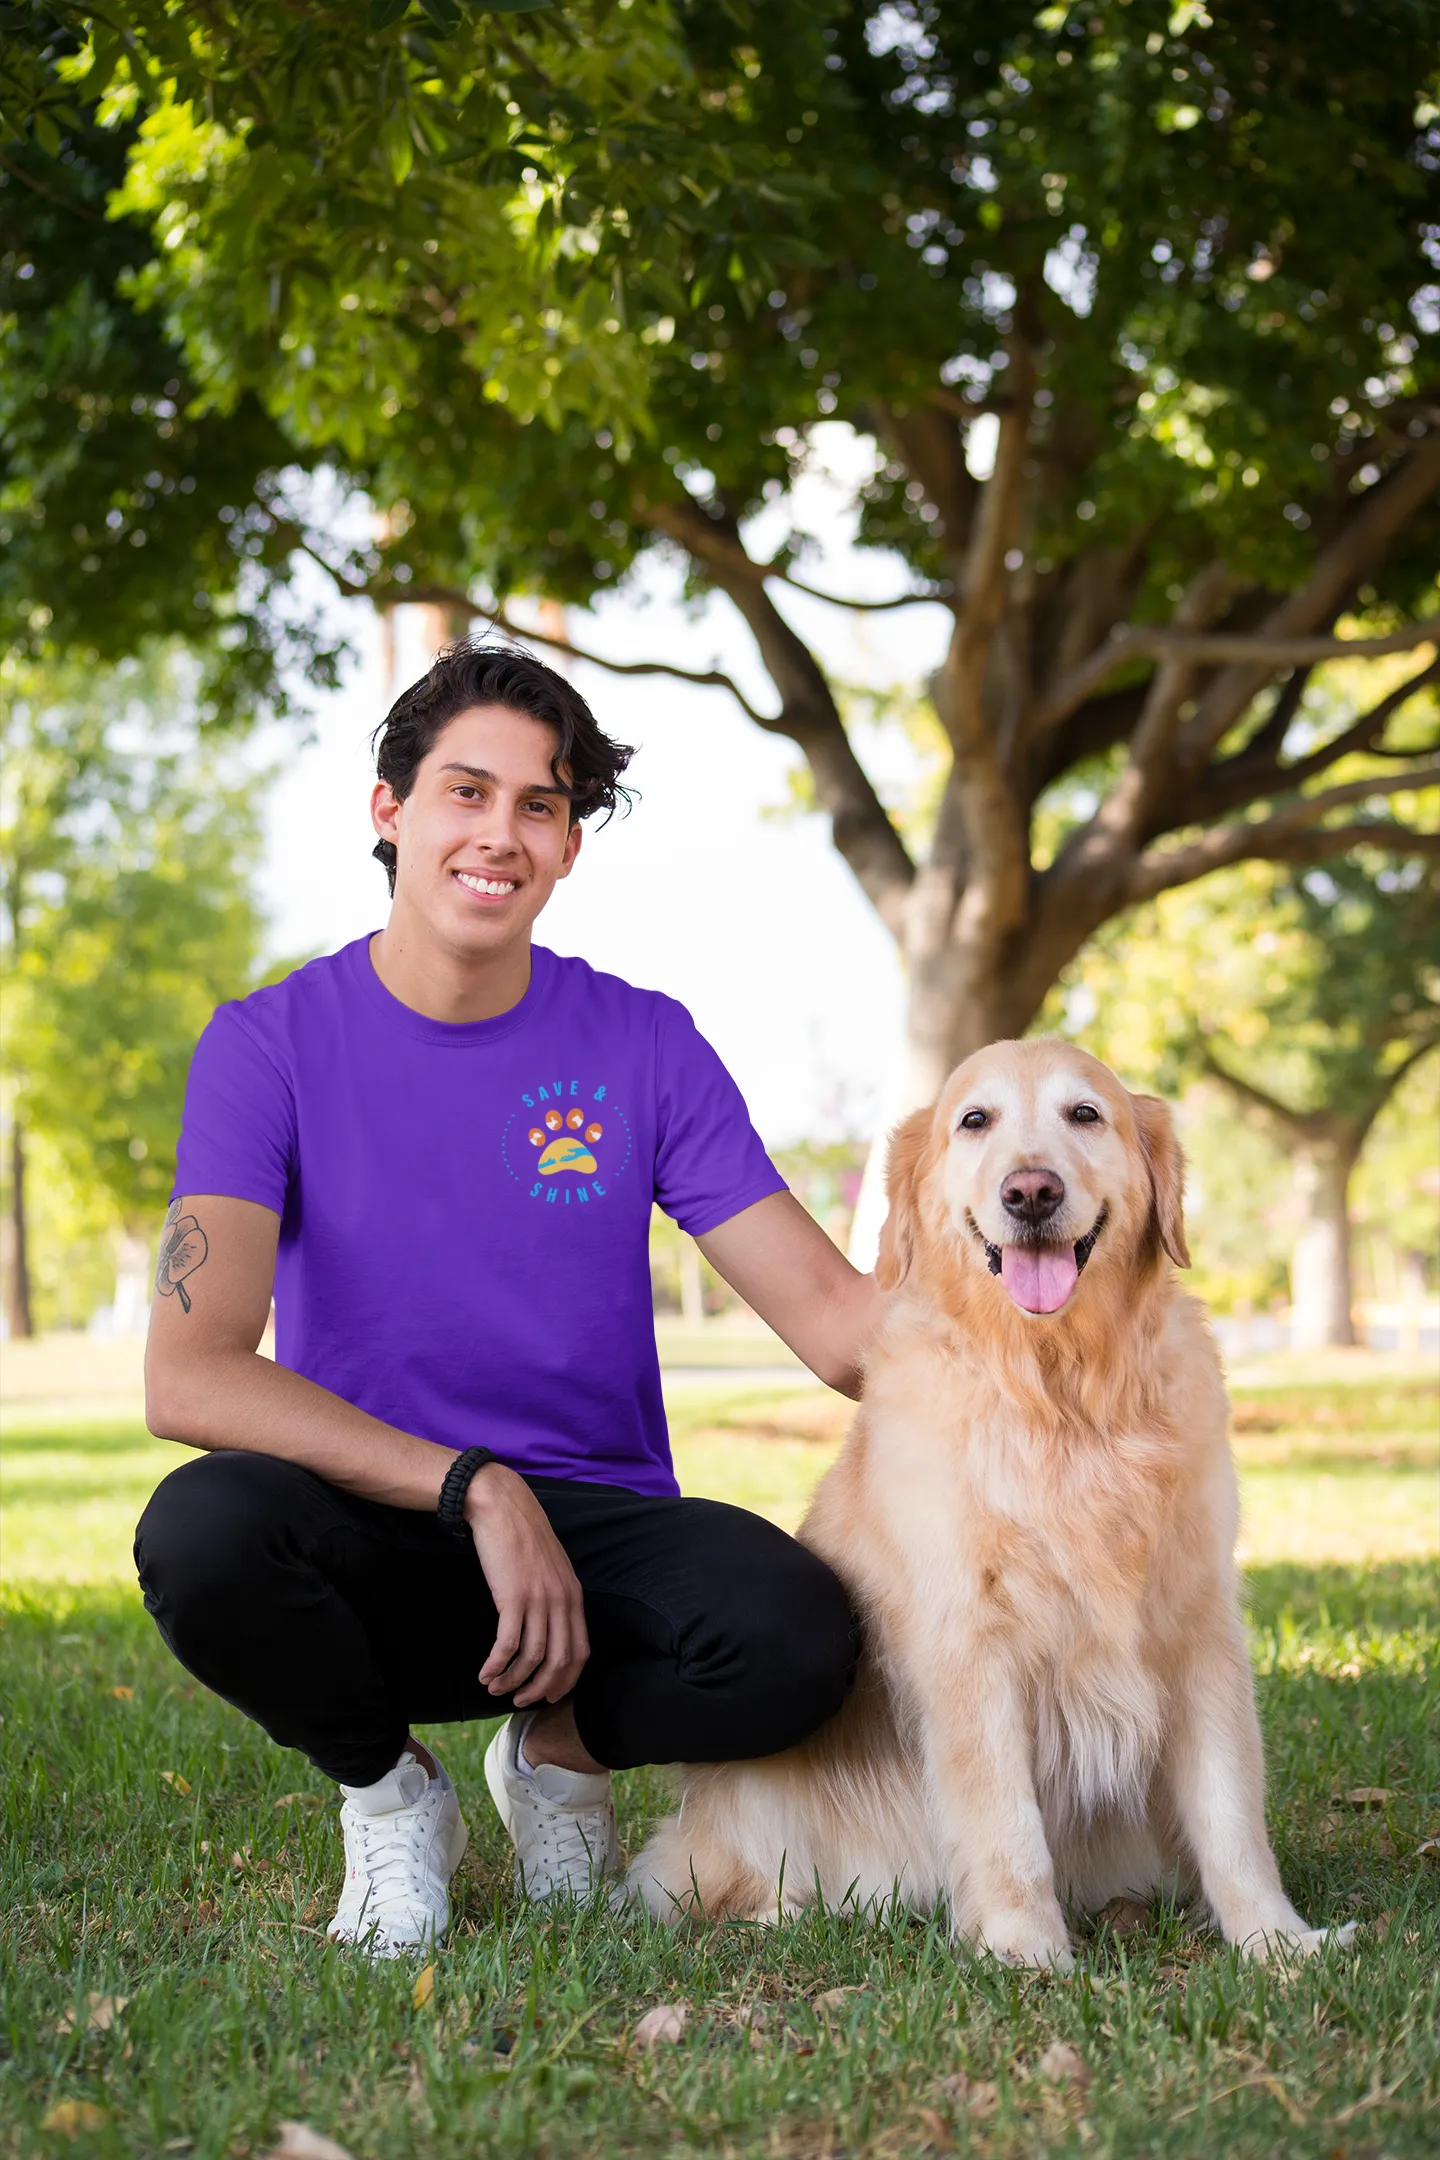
(567, 1143)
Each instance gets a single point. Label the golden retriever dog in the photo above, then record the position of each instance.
(1035, 1513)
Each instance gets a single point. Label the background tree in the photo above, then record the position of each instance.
(1134, 303)
(1310, 997)
(131, 510)
(1360, 1008)
(127, 852)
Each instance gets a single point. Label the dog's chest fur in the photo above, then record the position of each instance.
(1028, 1547)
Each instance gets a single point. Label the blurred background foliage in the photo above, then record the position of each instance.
(295, 284)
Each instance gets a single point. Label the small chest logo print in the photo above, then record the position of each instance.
(566, 1143)
(570, 1147)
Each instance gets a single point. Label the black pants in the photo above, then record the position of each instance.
(337, 1623)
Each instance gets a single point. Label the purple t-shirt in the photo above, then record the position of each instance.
(465, 1209)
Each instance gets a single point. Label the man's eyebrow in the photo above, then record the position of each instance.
(478, 772)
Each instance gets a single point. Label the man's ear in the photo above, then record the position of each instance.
(1166, 1165)
(902, 1184)
(572, 848)
(385, 811)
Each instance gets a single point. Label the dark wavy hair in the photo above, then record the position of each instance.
(473, 673)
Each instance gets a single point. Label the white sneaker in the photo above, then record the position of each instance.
(561, 1822)
(404, 1839)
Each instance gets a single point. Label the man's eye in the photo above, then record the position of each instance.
(975, 1121)
(1085, 1113)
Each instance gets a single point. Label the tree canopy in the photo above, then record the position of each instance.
(1137, 304)
(127, 854)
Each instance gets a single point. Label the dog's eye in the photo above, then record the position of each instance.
(1085, 1113)
(975, 1121)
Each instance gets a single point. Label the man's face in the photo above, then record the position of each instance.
(483, 834)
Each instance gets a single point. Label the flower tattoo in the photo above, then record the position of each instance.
(183, 1248)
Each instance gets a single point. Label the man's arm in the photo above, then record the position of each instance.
(207, 1385)
(784, 1266)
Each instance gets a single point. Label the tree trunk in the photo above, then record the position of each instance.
(1321, 1292)
(18, 1308)
(958, 1001)
(692, 1283)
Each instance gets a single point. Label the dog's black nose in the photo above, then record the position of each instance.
(1032, 1196)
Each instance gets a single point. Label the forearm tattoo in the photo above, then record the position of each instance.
(183, 1249)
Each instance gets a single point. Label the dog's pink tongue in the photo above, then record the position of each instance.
(1039, 1277)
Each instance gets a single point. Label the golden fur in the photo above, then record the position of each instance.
(1035, 1514)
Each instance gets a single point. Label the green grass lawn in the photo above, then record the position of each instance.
(158, 1850)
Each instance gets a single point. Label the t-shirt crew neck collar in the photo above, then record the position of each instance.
(448, 1034)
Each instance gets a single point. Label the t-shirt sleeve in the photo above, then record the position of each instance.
(237, 1135)
(709, 1160)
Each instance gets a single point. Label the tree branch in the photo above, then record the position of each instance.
(963, 408)
(706, 679)
(1357, 548)
(1127, 813)
(995, 831)
(937, 593)
(1245, 778)
(676, 525)
(1287, 836)
(808, 714)
(64, 202)
(392, 594)
(1308, 1126)
(1127, 644)
(1295, 1125)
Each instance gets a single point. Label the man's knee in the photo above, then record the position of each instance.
(207, 1526)
(781, 1646)
(807, 1639)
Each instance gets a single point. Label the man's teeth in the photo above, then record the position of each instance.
(486, 885)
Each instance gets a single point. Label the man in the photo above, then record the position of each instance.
(451, 1492)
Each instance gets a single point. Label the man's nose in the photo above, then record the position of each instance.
(1032, 1196)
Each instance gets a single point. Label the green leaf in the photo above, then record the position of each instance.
(398, 145)
(511, 7)
(384, 12)
(446, 15)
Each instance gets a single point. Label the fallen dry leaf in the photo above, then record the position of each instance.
(1125, 1916)
(297, 2141)
(173, 1777)
(934, 2131)
(121, 1694)
(1430, 1850)
(835, 1998)
(1064, 2065)
(101, 2013)
(660, 2026)
(424, 1987)
(977, 2096)
(67, 2118)
(1363, 1796)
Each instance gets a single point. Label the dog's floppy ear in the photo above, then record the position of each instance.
(1167, 1172)
(902, 1174)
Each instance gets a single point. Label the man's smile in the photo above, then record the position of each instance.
(497, 888)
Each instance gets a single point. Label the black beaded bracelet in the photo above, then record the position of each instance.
(450, 1507)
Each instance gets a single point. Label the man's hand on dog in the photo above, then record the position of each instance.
(540, 1644)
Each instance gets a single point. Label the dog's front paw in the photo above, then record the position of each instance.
(1274, 1945)
(1027, 1939)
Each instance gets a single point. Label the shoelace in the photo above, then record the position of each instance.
(576, 1840)
(390, 1847)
